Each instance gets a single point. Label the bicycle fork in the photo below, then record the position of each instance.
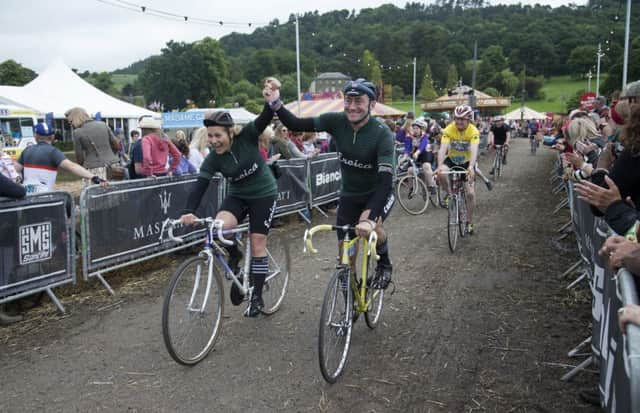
(192, 306)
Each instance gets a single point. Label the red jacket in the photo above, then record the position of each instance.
(155, 152)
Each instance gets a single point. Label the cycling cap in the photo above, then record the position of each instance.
(498, 118)
(360, 87)
(43, 129)
(463, 111)
(218, 118)
(631, 90)
(420, 123)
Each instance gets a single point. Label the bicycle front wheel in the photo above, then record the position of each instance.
(463, 218)
(275, 285)
(335, 326)
(452, 222)
(192, 311)
(412, 194)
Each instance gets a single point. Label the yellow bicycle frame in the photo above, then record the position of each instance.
(349, 248)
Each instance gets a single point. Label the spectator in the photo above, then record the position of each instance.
(199, 149)
(279, 143)
(94, 144)
(135, 156)
(156, 148)
(9, 187)
(308, 144)
(600, 105)
(39, 163)
(264, 143)
(184, 167)
(621, 196)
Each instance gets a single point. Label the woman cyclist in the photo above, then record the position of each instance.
(252, 189)
(420, 148)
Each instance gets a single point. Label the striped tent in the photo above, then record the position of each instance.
(311, 108)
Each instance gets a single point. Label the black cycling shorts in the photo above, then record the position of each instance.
(350, 208)
(260, 211)
(425, 157)
(449, 163)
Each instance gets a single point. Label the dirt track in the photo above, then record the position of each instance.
(484, 329)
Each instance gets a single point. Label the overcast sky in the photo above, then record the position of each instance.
(92, 35)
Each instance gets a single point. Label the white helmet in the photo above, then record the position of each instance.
(420, 123)
(463, 111)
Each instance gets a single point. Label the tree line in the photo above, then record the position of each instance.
(517, 45)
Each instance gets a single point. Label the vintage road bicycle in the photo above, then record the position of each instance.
(411, 190)
(457, 218)
(193, 307)
(346, 297)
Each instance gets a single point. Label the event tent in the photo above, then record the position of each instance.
(310, 108)
(58, 89)
(524, 113)
(460, 96)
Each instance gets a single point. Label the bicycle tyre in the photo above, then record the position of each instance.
(276, 283)
(338, 297)
(185, 348)
(462, 214)
(413, 194)
(375, 297)
(452, 223)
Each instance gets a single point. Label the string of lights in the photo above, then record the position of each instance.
(126, 5)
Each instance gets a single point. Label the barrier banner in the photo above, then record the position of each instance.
(325, 178)
(293, 192)
(614, 352)
(123, 222)
(37, 244)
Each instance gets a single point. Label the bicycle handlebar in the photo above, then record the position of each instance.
(308, 236)
(216, 225)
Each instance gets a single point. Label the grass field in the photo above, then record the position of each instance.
(557, 90)
(120, 80)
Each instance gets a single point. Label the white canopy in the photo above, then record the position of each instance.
(524, 113)
(58, 89)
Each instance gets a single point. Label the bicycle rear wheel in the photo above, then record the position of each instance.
(275, 285)
(375, 297)
(452, 222)
(192, 311)
(335, 326)
(412, 194)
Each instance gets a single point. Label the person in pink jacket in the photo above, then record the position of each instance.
(157, 150)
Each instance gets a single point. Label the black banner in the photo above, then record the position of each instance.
(36, 246)
(123, 222)
(325, 178)
(607, 342)
(293, 190)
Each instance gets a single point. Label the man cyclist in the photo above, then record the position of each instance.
(365, 148)
(459, 147)
(500, 135)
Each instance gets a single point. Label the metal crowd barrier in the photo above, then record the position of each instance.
(37, 245)
(120, 224)
(616, 355)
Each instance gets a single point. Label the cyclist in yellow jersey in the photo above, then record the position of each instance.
(459, 147)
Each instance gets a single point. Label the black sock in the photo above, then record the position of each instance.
(259, 271)
(383, 251)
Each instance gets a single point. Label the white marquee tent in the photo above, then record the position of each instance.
(524, 113)
(58, 89)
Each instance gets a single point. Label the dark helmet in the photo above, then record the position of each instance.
(218, 118)
(360, 87)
